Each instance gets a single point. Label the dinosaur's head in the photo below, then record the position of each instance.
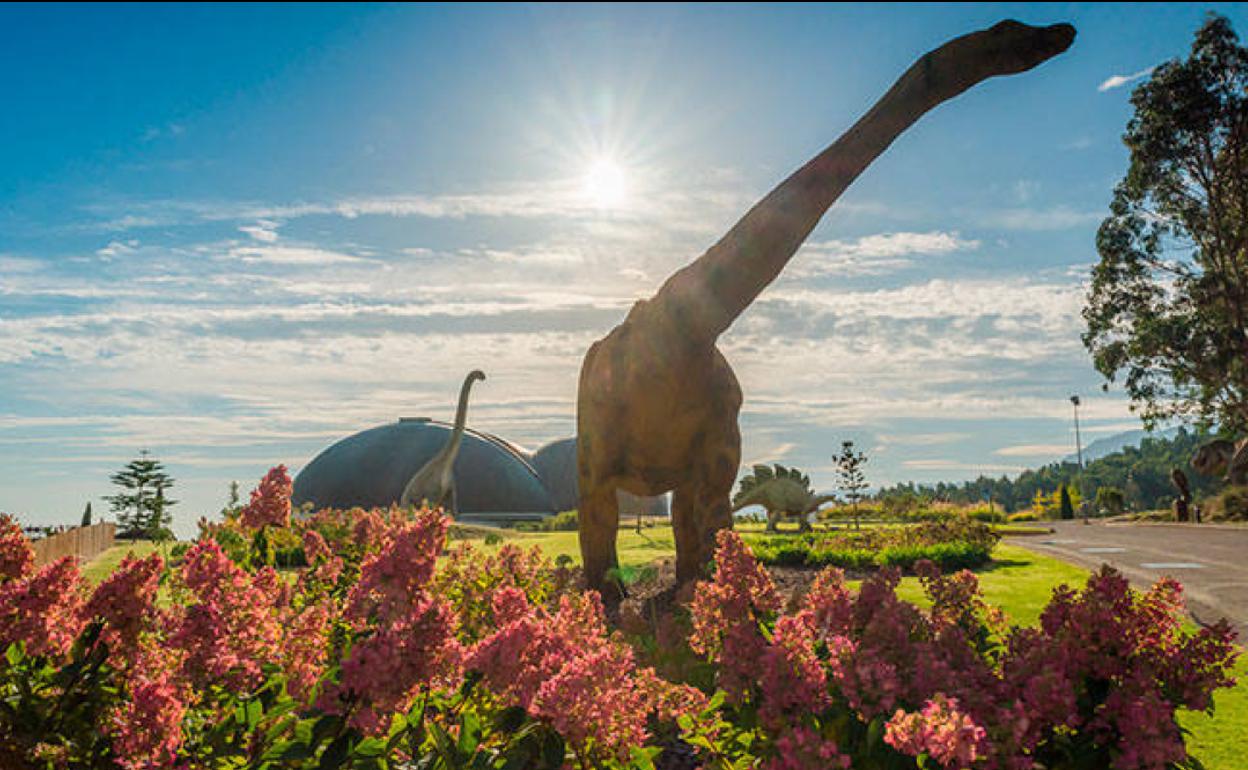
(1006, 48)
(476, 375)
(1017, 47)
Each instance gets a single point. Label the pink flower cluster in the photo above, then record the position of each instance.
(17, 558)
(469, 578)
(939, 730)
(147, 727)
(270, 502)
(728, 613)
(407, 635)
(957, 689)
(125, 600)
(43, 609)
(230, 628)
(562, 667)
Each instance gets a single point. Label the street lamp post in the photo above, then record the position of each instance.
(1078, 444)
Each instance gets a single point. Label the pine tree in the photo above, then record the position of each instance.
(1067, 507)
(86, 516)
(142, 508)
(159, 517)
(853, 480)
(233, 506)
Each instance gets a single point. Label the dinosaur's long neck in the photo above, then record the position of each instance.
(704, 297)
(461, 417)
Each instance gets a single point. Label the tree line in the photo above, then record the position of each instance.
(1142, 474)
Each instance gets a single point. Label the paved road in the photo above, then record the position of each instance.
(1211, 563)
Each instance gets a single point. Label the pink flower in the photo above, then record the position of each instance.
(802, 748)
(305, 647)
(43, 609)
(315, 548)
(564, 669)
(146, 728)
(231, 628)
(727, 613)
(940, 730)
(126, 599)
(384, 670)
(270, 502)
(17, 557)
(394, 576)
(791, 675)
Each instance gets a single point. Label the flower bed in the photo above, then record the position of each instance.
(389, 651)
(950, 543)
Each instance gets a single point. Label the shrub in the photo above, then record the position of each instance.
(560, 522)
(866, 680)
(1231, 504)
(1022, 516)
(388, 652)
(952, 543)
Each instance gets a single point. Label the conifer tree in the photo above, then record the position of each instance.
(141, 507)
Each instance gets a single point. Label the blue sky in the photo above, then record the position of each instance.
(232, 235)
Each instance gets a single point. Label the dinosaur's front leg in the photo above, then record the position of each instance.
(599, 518)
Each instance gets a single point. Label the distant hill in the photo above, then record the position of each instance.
(1118, 442)
(1137, 463)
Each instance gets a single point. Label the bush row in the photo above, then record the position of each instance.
(388, 651)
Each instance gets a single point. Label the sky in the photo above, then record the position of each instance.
(232, 235)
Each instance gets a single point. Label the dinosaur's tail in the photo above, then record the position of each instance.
(704, 297)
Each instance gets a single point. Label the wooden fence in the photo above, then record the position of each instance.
(84, 542)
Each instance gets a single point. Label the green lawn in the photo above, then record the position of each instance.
(103, 565)
(1018, 581)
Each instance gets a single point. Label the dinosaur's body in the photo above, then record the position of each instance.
(1227, 459)
(782, 492)
(657, 404)
(434, 483)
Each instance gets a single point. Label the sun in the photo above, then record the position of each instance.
(605, 183)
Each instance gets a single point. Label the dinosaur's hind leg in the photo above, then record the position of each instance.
(701, 507)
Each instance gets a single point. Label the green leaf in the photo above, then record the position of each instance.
(369, 747)
(469, 733)
(336, 753)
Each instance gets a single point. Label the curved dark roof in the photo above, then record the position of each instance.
(371, 468)
(555, 464)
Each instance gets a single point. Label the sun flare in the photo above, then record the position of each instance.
(605, 184)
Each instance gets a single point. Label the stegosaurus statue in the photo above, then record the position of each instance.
(782, 492)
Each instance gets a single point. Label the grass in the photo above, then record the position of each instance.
(1018, 581)
(103, 565)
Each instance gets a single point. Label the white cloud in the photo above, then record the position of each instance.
(941, 464)
(117, 248)
(292, 255)
(1117, 81)
(1034, 450)
(923, 439)
(873, 254)
(1038, 219)
(264, 230)
(11, 265)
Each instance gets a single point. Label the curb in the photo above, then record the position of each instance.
(1177, 525)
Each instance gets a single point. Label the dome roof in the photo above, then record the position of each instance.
(555, 464)
(371, 468)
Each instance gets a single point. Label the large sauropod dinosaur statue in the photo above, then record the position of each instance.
(434, 483)
(657, 405)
